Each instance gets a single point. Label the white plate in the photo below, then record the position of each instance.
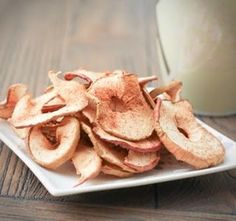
(62, 181)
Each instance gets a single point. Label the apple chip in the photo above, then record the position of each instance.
(150, 144)
(55, 104)
(122, 110)
(45, 153)
(142, 161)
(171, 91)
(87, 163)
(91, 109)
(148, 98)
(106, 151)
(72, 92)
(145, 80)
(114, 170)
(21, 132)
(185, 138)
(88, 76)
(15, 92)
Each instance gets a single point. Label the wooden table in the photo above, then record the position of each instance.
(36, 36)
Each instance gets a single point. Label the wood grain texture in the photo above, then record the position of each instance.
(37, 210)
(36, 36)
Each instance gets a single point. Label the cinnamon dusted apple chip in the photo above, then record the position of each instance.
(150, 144)
(72, 92)
(145, 80)
(171, 91)
(55, 104)
(14, 94)
(88, 76)
(91, 109)
(122, 110)
(87, 163)
(27, 107)
(45, 153)
(106, 151)
(185, 138)
(142, 161)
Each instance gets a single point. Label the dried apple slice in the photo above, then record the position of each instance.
(27, 106)
(87, 163)
(22, 132)
(91, 109)
(88, 76)
(145, 80)
(15, 92)
(111, 169)
(55, 104)
(72, 92)
(122, 110)
(44, 153)
(171, 91)
(150, 144)
(142, 162)
(148, 98)
(106, 151)
(185, 138)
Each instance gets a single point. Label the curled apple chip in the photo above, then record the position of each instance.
(45, 153)
(150, 144)
(185, 138)
(122, 110)
(55, 104)
(148, 98)
(72, 92)
(91, 109)
(28, 108)
(87, 163)
(113, 170)
(145, 80)
(14, 94)
(142, 161)
(110, 153)
(171, 91)
(88, 76)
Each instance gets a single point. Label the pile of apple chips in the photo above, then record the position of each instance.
(108, 123)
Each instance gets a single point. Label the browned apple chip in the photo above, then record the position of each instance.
(122, 110)
(14, 94)
(142, 161)
(87, 163)
(44, 152)
(185, 138)
(150, 144)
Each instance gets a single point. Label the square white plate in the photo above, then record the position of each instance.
(62, 181)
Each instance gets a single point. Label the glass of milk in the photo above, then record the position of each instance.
(197, 45)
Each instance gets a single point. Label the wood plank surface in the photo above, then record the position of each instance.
(36, 36)
(21, 209)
